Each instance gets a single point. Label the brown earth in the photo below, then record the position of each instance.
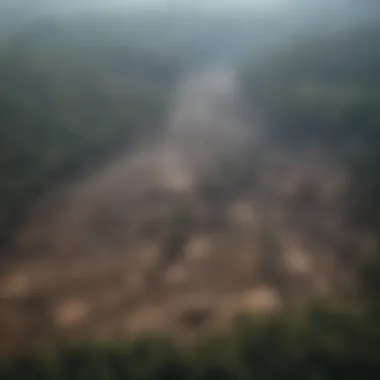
(180, 235)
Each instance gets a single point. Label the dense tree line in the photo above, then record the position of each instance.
(323, 343)
(325, 92)
(68, 99)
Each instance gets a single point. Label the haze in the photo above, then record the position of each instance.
(168, 165)
(209, 5)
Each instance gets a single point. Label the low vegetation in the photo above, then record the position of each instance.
(324, 343)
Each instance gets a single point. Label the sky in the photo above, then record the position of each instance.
(213, 6)
(199, 4)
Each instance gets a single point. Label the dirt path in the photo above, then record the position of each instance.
(166, 237)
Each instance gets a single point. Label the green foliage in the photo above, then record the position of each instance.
(325, 91)
(323, 343)
(68, 100)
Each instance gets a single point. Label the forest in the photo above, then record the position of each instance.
(68, 100)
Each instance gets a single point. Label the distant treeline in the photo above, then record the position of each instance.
(69, 98)
(325, 92)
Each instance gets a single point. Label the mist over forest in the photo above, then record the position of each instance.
(189, 189)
